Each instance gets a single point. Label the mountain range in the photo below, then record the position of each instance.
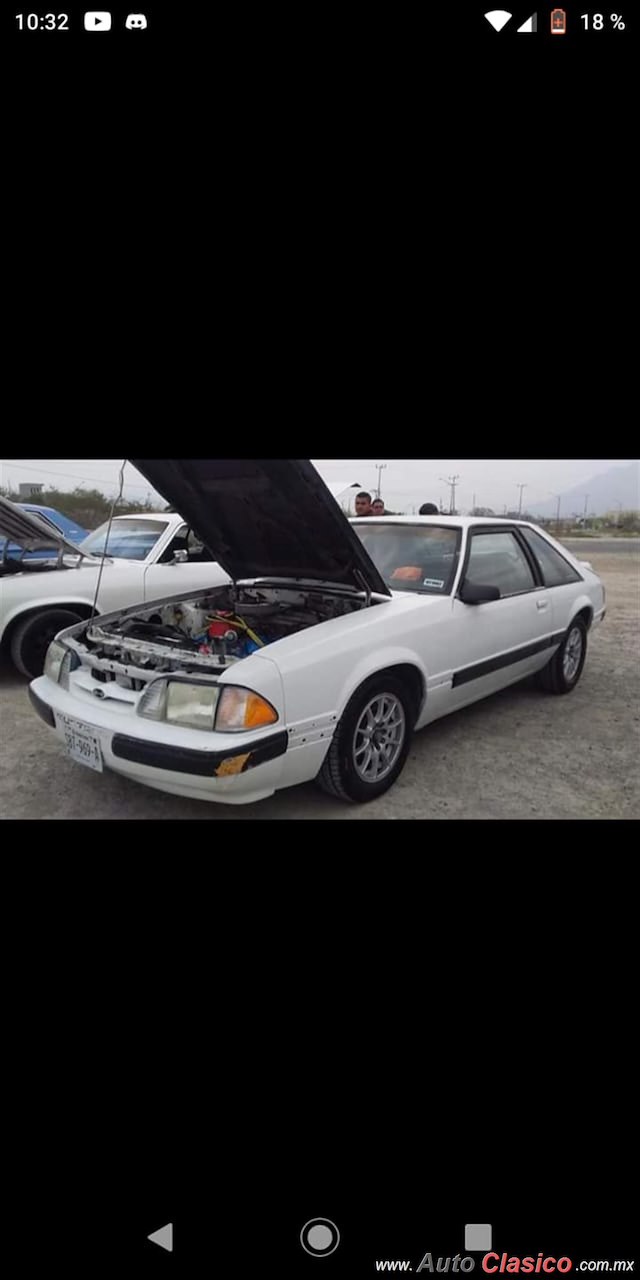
(618, 488)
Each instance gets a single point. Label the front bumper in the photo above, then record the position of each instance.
(201, 764)
(232, 769)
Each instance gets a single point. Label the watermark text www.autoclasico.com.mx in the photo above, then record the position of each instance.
(501, 1263)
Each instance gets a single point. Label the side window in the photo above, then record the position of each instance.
(496, 559)
(198, 553)
(555, 569)
(178, 543)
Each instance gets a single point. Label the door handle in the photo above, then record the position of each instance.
(542, 604)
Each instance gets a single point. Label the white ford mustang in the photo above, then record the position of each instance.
(330, 643)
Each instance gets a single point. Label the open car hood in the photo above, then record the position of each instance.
(265, 518)
(30, 532)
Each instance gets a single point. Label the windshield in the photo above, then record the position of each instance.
(413, 557)
(129, 539)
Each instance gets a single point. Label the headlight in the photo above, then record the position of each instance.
(193, 705)
(54, 659)
(229, 709)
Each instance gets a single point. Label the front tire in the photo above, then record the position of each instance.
(371, 743)
(562, 673)
(32, 637)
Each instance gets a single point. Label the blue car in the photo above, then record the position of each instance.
(67, 527)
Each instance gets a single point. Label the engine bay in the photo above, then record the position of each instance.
(210, 631)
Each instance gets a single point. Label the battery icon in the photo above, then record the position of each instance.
(558, 22)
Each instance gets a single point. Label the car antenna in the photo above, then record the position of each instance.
(106, 541)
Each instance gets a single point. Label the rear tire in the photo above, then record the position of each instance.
(563, 672)
(32, 637)
(371, 743)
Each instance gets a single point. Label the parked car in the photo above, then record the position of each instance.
(148, 556)
(328, 645)
(61, 524)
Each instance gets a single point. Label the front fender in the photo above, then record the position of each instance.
(380, 660)
(318, 692)
(23, 607)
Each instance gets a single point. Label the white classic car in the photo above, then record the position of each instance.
(148, 556)
(329, 644)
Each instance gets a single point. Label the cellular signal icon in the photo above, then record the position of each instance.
(498, 18)
(529, 26)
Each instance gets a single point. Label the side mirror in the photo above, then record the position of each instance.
(180, 557)
(478, 593)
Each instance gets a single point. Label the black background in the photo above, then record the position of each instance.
(315, 223)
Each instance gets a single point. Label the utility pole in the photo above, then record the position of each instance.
(473, 504)
(584, 518)
(520, 487)
(452, 482)
(381, 467)
(558, 496)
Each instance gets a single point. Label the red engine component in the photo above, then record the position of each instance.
(218, 630)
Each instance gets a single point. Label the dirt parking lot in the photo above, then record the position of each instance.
(518, 754)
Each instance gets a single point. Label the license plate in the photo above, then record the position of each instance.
(81, 743)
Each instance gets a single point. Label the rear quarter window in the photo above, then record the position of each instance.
(556, 571)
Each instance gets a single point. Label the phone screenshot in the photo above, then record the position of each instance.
(398, 240)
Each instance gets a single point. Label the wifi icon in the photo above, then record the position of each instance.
(498, 18)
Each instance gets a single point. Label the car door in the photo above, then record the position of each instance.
(170, 575)
(500, 641)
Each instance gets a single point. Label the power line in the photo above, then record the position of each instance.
(70, 475)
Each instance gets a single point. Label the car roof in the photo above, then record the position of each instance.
(33, 506)
(143, 515)
(152, 515)
(452, 522)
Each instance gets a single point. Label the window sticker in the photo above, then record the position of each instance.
(433, 582)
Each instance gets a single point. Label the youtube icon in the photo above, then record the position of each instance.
(97, 21)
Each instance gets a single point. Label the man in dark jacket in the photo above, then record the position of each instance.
(363, 504)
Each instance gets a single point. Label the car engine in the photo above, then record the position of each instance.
(210, 632)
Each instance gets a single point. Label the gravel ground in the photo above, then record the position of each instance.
(518, 754)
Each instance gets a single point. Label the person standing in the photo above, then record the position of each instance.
(363, 504)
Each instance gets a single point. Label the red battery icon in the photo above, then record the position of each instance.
(558, 22)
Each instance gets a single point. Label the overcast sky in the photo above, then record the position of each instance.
(404, 483)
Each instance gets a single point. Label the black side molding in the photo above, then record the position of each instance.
(508, 659)
(204, 764)
(43, 709)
